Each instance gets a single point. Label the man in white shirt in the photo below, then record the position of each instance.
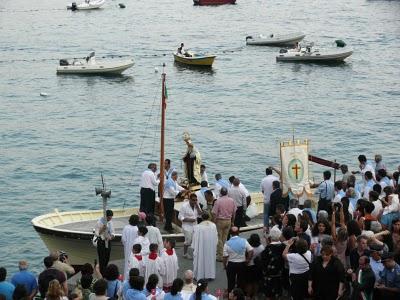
(266, 189)
(379, 164)
(148, 184)
(219, 184)
(345, 171)
(171, 190)
(104, 231)
(203, 173)
(238, 195)
(243, 188)
(236, 254)
(294, 208)
(188, 214)
(201, 198)
(168, 169)
(339, 193)
(369, 184)
(364, 167)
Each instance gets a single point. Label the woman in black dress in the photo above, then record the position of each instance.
(327, 276)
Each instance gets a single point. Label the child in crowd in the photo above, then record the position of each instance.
(171, 264)
(154, 265)
(136, 260)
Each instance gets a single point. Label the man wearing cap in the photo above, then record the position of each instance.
(105, 233)
(376, 263)
(26, 278)
(388, 286)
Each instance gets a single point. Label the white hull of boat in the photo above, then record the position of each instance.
(276, 40)
(98, 68)
(316, 57)
(88, 5)
(72, 232)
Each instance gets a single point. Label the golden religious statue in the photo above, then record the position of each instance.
(192, 161)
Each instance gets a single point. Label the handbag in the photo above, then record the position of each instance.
(251, 210)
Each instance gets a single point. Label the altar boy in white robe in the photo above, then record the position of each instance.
(204, 244)
(129, 234)
(154, 265)
(136, 260)
(143, 240)
(170, 259)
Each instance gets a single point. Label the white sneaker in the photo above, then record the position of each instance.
(185, 255)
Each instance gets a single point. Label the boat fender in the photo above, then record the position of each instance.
(121, 5)
(283, 51)
(249, 37)
(340, 43)
(73, 6)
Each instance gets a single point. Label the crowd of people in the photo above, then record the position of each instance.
(345, 246)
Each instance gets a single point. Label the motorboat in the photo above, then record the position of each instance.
(310, 54)
(89, 66)
(275, 39)
(86, 5)
(213, 2)
(193, 59)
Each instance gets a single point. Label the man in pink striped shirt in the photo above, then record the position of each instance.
(224, 211)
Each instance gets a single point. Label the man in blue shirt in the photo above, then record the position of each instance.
(326, 193)
(388, 286)
(25, 278)
(6, 288)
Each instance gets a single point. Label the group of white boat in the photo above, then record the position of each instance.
(295, 53)
(300, 53)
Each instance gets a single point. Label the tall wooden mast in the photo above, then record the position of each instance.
(163, 107)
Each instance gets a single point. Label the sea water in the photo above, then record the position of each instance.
(58, 133)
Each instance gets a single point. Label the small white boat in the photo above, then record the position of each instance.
(275, 39)
(86, 5)
(89, 65)
(310, 54)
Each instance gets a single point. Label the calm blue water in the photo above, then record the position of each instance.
(53, 148)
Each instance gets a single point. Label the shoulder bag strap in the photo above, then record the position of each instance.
(305, 259)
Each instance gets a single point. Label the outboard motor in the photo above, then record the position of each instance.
(283, 51)
(64, 62)
(73, 6)
(248, 37)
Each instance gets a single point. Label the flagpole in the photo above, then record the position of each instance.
(163, 107)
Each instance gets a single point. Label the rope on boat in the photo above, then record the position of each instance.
(157, 88)
(29, 10)
(57, 59)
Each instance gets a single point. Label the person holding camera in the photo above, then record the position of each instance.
(60, 262)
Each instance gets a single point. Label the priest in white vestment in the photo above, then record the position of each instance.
(129, 235)
(204, 244)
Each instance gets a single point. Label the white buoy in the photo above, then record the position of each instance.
(155, 70)
(43, 94)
